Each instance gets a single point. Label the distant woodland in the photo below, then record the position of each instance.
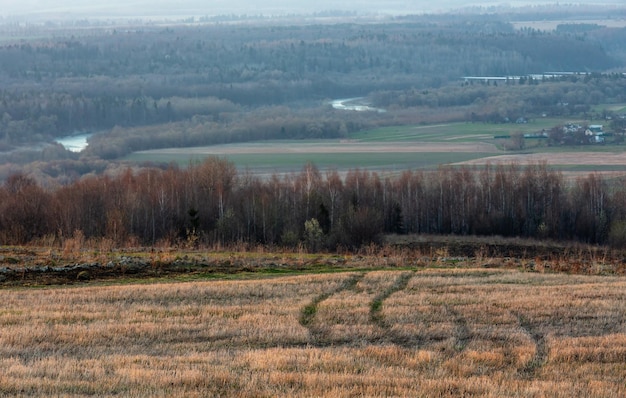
(173, 86)
(217, 82)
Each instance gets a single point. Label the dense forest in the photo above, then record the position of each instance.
(212, 203)
(151, 86)
(100, 78)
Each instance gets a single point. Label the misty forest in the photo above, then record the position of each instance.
(208, 81)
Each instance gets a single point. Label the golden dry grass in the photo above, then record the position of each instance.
(432, 332)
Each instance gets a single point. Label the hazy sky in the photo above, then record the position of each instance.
(153, 8)
(197, 7)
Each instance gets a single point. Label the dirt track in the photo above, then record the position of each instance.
(567, 158)
(342, 146)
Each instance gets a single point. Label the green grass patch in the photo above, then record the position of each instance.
(587, 168)
(617, 108)
(456, 132)
(600, 148)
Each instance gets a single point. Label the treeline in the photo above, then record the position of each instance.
(34, 117)
(211, 202)
(264, 123)
(496, 102)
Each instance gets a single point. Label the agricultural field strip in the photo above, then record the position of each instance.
(469, 132)
(327, 147)
(556, 158)
(449, 139)
(511, 326)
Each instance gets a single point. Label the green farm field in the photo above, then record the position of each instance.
(281, 162)
(395, 148)
(454, 132)
(617, 108)
(419, 332)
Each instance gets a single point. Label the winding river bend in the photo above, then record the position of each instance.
(74, 143)
(78, 142)
(358, 104)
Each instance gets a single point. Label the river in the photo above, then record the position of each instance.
(74, 143)
(354, 104)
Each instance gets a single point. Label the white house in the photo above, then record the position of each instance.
(595, 133)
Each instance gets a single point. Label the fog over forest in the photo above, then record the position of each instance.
(171, 9)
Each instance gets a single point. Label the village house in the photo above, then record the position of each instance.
(595, 133)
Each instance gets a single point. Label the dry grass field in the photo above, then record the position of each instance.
(422, 332)
(562, 158)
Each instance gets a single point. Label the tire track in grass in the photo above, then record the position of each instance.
(462, 334)
(377, 317)
(376, 306)
(307, 315)
(541, 347)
